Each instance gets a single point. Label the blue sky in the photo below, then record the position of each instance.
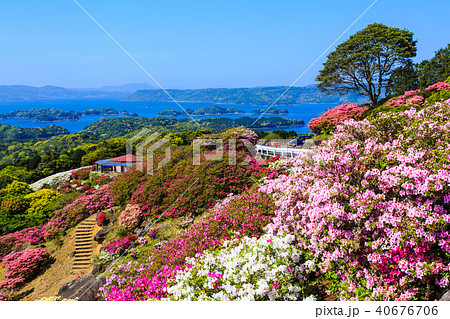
(192, 43)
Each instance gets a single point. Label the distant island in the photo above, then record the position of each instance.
(217, 110)
(52, 115)
(128, 126)
(250, 96)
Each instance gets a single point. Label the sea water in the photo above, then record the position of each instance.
(148, 109)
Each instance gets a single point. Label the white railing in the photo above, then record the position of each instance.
(283, 150)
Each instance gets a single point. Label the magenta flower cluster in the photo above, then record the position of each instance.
(408, 98)
(372, 205)
(120, 245)
(236, 216)
(80, 209)
(335, 116)
(12, 241)
(21, 267)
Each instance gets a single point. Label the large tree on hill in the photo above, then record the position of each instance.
(435, 70)
(366, 60)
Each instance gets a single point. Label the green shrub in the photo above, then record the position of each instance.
(439, 96)
(17, 188)
(14, 206)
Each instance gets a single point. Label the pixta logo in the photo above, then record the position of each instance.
(146, 147)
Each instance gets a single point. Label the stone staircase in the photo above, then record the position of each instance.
(84, 242)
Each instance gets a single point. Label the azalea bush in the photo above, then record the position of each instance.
(81, 208)
(82, 173)
(371, 206)
(131, 216)
(408, 98)
(22, 267)
(236, 216)
(207, 182)
(133, 281)
(328, 121)
(120, 245)
(101, 219)
(104, 258)
(433, 93)
(268, 268)
(12, 241)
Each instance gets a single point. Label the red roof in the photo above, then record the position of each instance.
(124, 158)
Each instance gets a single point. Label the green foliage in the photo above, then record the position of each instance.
(272, 136)
(14, 206)
(366, 60)
(283, 134)
(125, 185)
(404, 78)
(15, 132)
(437, 69)
(127, 127)
(27, 153)
(39, 212)
(11, 173)
(439, 96)
(17, 188)
(107, 149)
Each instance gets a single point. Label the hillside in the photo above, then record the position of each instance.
(365, 215)
(248, 96)
(20, 133)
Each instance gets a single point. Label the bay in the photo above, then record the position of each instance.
(304, 112)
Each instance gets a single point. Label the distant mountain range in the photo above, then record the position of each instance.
(25, 92)
(126, 88)
(249, 96)
(146, 92)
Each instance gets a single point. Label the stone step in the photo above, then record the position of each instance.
(83, 252)
(86, 260)
(83, 240)
(87, 245)
(88, 256)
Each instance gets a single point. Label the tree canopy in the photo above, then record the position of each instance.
(366, 60)
(404, 78)
(437, 69)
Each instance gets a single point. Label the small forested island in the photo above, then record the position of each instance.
(52, 115)
(217, 110)
(128, 126)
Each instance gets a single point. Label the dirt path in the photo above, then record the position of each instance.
(62, 270)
